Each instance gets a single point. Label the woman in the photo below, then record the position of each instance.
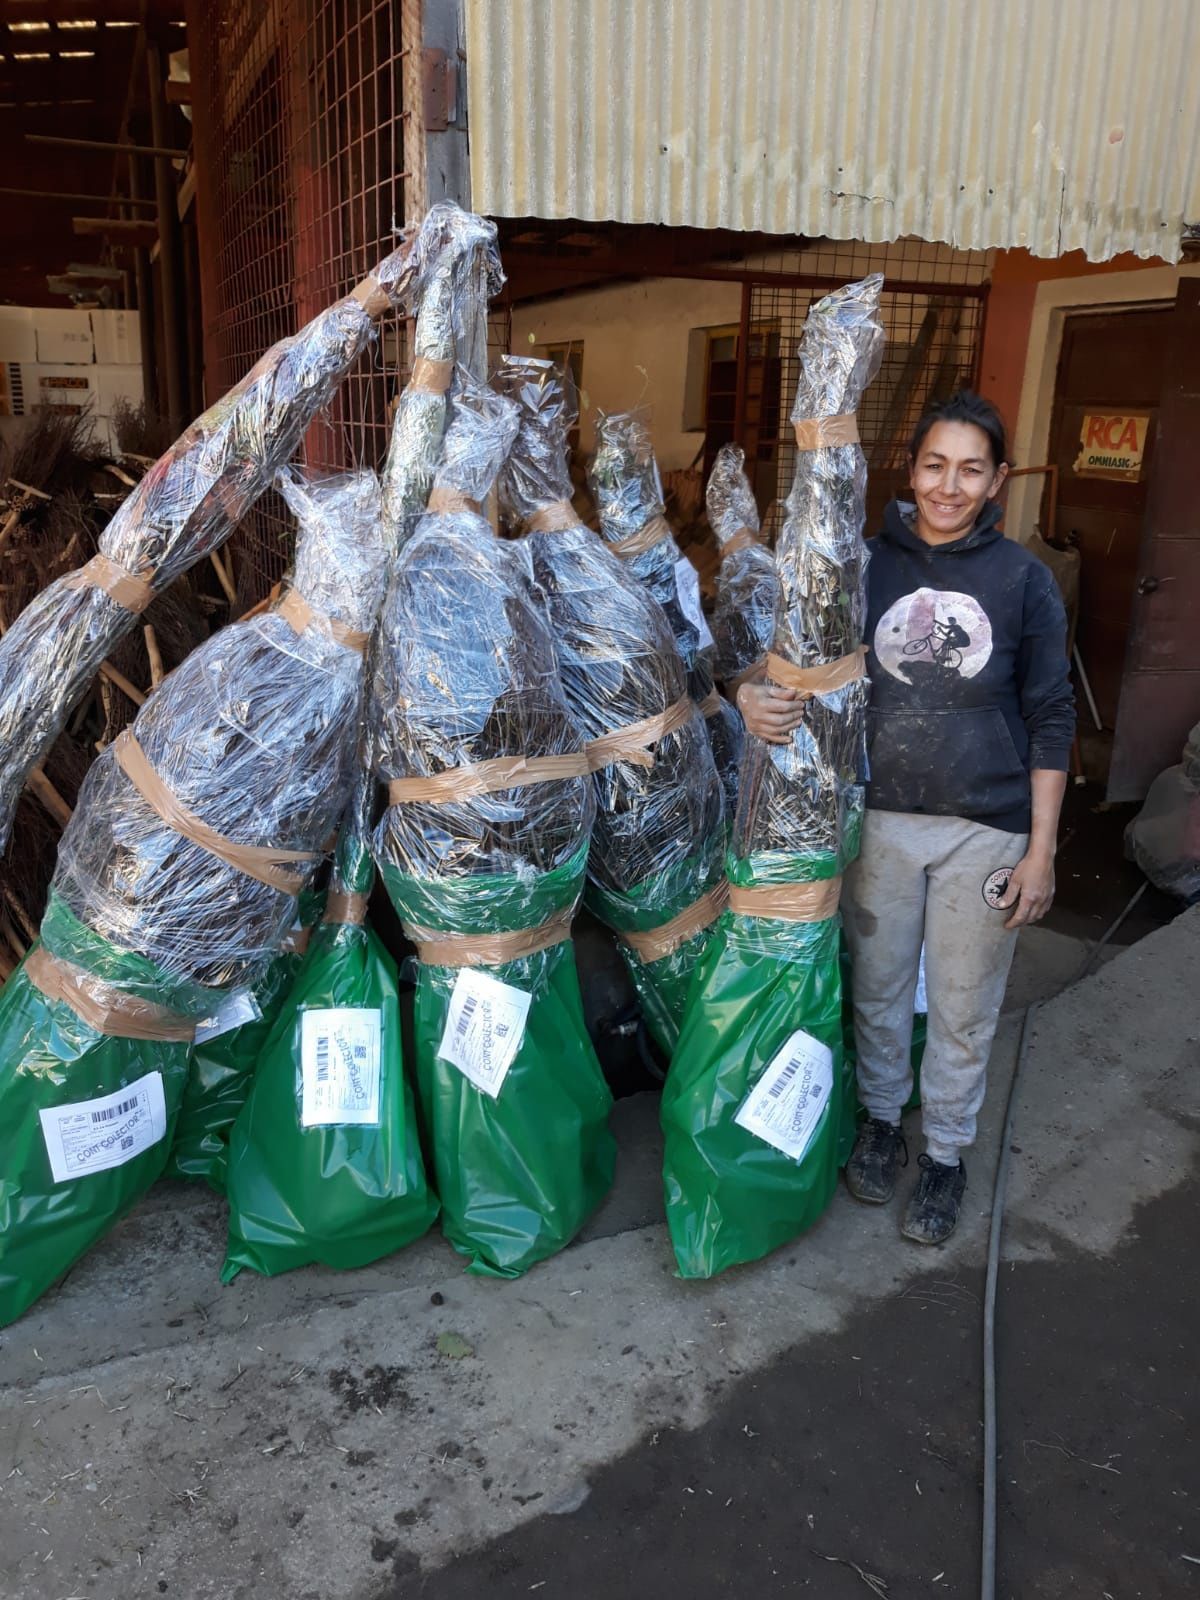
(969, 732)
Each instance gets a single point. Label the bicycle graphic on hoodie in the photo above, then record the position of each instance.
(945, 643)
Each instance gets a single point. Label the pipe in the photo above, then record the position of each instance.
(88, 199)
(143, 284)
(168, 244)
(164, 151)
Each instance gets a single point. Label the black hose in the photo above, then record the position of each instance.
(987, 1581)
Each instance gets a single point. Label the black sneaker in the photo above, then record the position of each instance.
(871, 1169)
(932, 1212)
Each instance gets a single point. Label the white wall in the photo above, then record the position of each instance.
(626, 327)
(645, 325)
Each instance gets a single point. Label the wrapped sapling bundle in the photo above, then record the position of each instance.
(451, 304)
(654, 871)
(325, 1160)
(483, 849)
(177, 882)
(743, 624)
(186, 506)
(758, 1110)
(624, 480)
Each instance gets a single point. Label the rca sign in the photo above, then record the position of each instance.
(1112, 445)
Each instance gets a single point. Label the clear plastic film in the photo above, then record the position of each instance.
(466, 673)
(625, 483)
(657, 842)
(463, 272)
(187, 504)
(254, 736)
(743, 623)
(800, 809)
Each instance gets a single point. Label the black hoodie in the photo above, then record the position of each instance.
(970, 687)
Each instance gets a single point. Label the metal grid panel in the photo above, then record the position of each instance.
(304, 160)
(934, 343)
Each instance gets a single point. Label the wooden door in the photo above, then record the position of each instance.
(1110, 371)
(1160, 689)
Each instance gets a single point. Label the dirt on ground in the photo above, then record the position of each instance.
(855, 1465)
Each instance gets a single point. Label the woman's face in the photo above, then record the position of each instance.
(952, 479)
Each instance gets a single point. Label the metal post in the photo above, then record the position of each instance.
(143, 278)
(743, 372)
(168, 244)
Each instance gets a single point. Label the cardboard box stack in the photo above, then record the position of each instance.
(68, 360)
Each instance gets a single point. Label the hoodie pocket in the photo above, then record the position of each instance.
(961, 763)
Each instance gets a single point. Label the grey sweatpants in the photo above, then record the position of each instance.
(925, 878)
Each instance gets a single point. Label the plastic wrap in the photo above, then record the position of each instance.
(149, 930)
(486, 873)
(254, 734)
(459, 282)
(187, 504)
(743, 623)
(657, 843)
(759, 1108)
(1164, 837)
(624, 479)
(324, 1160)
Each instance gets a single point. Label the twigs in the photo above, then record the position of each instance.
(876, 1584)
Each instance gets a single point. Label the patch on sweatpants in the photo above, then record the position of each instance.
(995, 887)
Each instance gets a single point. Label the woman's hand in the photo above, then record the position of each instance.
(1030, 889)
(769, 711)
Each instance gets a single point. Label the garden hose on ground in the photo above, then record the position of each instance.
(987, 1584)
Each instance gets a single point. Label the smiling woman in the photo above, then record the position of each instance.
(969, 731)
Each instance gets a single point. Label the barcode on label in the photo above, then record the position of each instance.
(468, 1011)
(322, 1058)
(111, 1113)
(785, 1077)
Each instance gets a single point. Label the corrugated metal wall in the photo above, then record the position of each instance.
(1053, 124)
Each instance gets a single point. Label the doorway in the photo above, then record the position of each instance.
(1102, 440)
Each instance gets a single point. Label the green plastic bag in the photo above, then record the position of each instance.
(731, 1195)
(106, 1106)
(520, 1169)
(349, 1187)
(662, 984)
(222, 1065)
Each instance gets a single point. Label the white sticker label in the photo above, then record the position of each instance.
(93, 1135)
(239, 1007)
(687, 587)
(785, 1105)
(339, 1066)
(921, 998)
(484, 1028)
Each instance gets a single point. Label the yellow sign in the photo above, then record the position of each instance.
(1112, 444)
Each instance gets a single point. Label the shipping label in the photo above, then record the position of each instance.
(687, 587)
(785, 1105)
(234, 1010)
(484, 1028)
(94, 1135)
(340, 1053)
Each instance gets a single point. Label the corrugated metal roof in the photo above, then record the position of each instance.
(1053, 124)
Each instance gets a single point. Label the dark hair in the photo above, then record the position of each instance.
(965, 406)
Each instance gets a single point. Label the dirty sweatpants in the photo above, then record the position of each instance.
(929, 878)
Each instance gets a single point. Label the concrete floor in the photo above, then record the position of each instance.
(303, 1438)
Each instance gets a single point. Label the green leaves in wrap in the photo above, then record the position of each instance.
(50, 1059)
(518, 1174)
(341, 1194)
(731, 1196)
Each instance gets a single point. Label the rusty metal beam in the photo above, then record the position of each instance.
(164, 152)
(88, 199)
(132, 231)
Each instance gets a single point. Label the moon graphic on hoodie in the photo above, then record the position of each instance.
(933, 631)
